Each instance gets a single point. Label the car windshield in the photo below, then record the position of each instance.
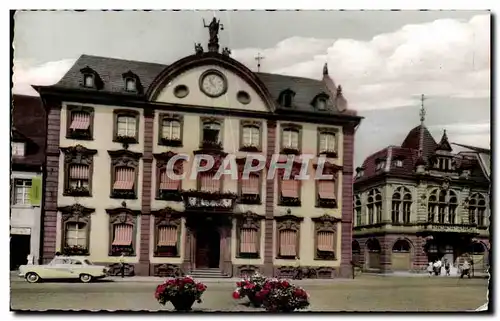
(87, 262)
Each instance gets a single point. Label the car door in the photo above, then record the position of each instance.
(74, 268)
(61, 268)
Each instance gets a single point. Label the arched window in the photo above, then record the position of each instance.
(477, 209)
(446, 202)
(374, 206)
(357, 209)
(401, 246)
(401, 205)
(373, 246)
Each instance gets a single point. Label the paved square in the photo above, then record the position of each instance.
(366, 293)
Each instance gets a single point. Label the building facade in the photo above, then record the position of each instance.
(114, 124)
(28, 157)
(420, 202)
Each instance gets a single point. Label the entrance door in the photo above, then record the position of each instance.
(207, 248)
(19, 250)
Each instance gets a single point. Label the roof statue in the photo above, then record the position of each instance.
(213, 30)
(198, 48)
(325, 69)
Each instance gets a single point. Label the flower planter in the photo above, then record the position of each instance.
(183, 302)
(256, 302)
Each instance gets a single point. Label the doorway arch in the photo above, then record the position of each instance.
(401, 255)
(373, 254)
(356, 252)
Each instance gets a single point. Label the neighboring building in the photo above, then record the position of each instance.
(113, 124)
(483, 155)
(418, 202)
(28, 158)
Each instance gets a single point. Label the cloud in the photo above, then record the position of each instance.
(48, 73)
(445, 58)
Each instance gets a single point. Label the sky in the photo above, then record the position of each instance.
(384, 60)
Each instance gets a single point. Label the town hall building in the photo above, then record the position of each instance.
(420, 202)
(114, 124)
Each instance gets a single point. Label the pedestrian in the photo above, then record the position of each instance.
(430, 268)
(447, 267)
(439, 266)
(122, 265)
(465, 269)
(58, 254)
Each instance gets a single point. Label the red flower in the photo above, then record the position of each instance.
(201, 287)
(236, 295)
(238, 284)
(285, 283)
(188, 280)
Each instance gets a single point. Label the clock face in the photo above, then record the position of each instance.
(213, 84)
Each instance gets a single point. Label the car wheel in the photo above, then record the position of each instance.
(32, 277)
(85, 278)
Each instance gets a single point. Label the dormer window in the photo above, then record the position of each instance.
(130, 84)
(443, 164)
(286, 98)
(88, 81)
(380, 164)
(320, 101)
(91, 78)
(398, 162)
(321, 104)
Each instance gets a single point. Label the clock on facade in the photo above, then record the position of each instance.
(213, 83)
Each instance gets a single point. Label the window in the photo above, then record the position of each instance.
(288, 236)
(380, 165)
(88, 81)
(167, 233)
(126, 128)
(251, 136)
(327, 142)
(401, 206)
(321, 103)
(79, 122)
(443, 164)
(211, 134)
(78, 162)
(22, 190)
(248, 241)
(291, 139)
(398, 163)
(290, 192)
(446, 203)
(374, 206)
(249, 226)
(401, 246)
(124, 173)
(76, 235)
(477, 209)
(18, 149)
(130, 85)
(357, 210)
(325, 237)
(170, 130)
(79, 178)
(122, 224)
(250, 189)
(326, 195)
(207, 183)
(286, 98)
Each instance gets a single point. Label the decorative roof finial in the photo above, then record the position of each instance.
(422, 109)
(325, 69)
(259, 58)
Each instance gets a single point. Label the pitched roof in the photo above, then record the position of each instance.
(29, 125)
(111, 70)
(409, 154)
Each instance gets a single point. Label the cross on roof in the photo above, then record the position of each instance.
(258, 58)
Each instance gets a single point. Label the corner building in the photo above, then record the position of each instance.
(420, 202)
(114, 124)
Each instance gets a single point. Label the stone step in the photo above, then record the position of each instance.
(207, 273)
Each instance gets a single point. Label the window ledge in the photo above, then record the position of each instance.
(169, 195)
(77, 192)
(250, 148)
(22, 206)
(290, 151)
(329, 154)
(279, 257)
(125, 140)
(249, 256)
(292, 202)
(166, 255)
(170, 142)
(326, 203)
(80, 137)
(130, 195)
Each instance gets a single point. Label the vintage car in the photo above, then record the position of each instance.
(64, 267)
